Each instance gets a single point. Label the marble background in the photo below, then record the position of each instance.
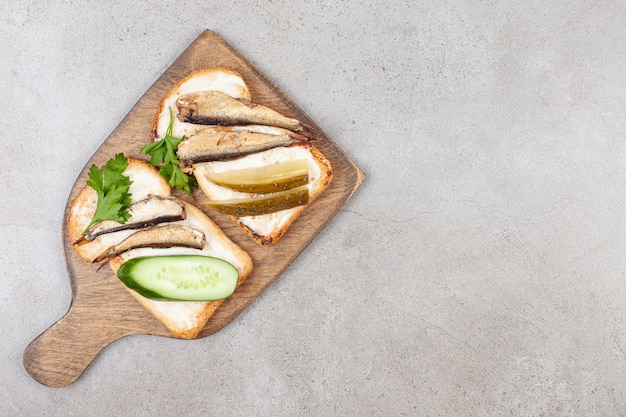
(478, 271)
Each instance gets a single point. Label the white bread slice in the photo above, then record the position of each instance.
(82, 208)
(183, 319)
(267, 228)
(264, 229)
(222, 79)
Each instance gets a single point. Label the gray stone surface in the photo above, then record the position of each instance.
(478, 271)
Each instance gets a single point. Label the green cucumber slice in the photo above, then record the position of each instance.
(180, 277)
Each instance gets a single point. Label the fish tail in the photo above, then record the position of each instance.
(80, 241)
(103, 260)
(308, 132)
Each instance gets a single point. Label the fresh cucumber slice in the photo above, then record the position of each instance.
(264, 179)
(180, 277)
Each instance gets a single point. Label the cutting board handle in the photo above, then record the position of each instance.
(62, 353)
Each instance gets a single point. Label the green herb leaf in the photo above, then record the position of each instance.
(163, 153)
(112, 187)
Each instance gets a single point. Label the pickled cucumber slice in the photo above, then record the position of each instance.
(180, 277)
(264, 203)
(264, 179)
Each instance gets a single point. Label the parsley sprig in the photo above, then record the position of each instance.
(163, 152)
(111, 186)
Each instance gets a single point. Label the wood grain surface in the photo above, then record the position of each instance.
(101, 310)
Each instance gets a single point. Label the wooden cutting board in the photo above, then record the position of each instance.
(102, 311)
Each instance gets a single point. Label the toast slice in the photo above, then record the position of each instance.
(184, 319)
(82, 208)
(265, 229)
(222, 79)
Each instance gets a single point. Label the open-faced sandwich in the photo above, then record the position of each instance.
(252, 162)
(171, 257)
